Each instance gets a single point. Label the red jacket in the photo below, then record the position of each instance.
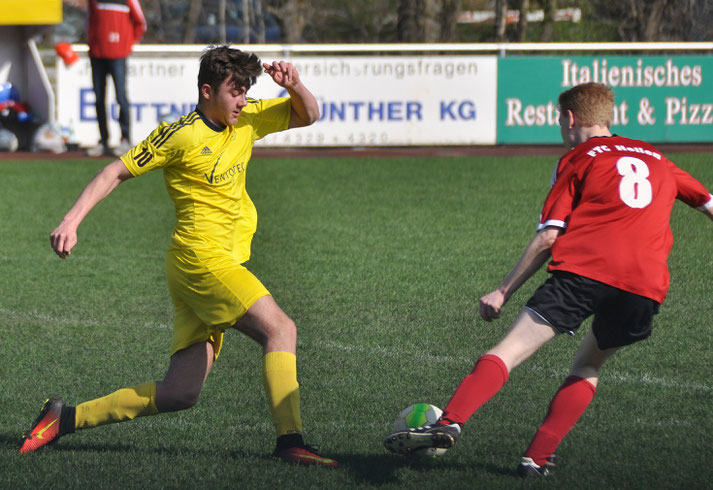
(114, 27)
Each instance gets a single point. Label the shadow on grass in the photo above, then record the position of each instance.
(377, 469)
(10, 441)
(371, 469)
(112, 447)
(13, 442)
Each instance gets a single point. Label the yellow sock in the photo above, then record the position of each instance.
(279, 377)
(124, 404)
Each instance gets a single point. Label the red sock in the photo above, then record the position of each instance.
(486, 379)
(567, 406)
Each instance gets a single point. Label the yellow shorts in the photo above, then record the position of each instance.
(210, 292)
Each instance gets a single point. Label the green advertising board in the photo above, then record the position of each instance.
(658, 98)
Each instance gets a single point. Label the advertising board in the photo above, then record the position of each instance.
(658, 98)
(364, 100)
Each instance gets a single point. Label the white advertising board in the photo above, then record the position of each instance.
(364, 100)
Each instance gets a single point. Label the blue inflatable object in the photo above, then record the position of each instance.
(8, 92)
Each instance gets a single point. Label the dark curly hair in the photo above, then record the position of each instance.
(220, 62)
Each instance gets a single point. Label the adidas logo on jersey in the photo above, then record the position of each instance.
(206, 151)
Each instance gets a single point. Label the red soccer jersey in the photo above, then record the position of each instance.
(114, 27)
(613, 196)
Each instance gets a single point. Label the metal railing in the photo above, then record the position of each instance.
(502, 48)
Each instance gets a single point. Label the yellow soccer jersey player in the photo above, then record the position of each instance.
(204, 167)
(204, 157)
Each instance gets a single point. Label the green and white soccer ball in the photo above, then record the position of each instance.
(417, 415)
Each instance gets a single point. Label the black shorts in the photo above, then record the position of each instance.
(621, 318)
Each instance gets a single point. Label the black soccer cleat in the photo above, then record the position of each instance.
(528, 467)
(429, 436)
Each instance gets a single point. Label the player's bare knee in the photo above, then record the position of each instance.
(284, 330)
(289, 329)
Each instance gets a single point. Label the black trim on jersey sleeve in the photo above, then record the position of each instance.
(159, 148)
(169, 131)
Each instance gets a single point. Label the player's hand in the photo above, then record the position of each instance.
(63, 239)
(283, 73)
(490, 305)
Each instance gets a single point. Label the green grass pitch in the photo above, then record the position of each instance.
(380, 262)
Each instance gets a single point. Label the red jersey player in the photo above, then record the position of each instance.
(605, 226)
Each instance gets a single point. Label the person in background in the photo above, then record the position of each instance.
(114, 26)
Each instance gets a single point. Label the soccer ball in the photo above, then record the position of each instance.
(418, 415)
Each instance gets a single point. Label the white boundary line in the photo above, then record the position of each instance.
(608, 377)
(46, 318)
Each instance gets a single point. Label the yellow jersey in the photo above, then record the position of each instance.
(204, 171)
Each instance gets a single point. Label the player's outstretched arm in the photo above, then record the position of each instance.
(64, 237)
(305, 109)
(535, 255)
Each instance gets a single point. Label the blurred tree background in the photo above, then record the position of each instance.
(385, 21)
